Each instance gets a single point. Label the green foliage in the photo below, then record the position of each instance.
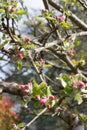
(23, 51)
(19, 65)
(41, 89)
(71, 88)
(2, 11)
(78, 98)
(21, 12)
(77, 42)
(84, 118)
(66, 25)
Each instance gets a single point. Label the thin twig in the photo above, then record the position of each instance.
(36, 69)
(35, 118)
(83, 4)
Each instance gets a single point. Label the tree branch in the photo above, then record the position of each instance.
(83, 4)
(46, 4)
(73, 120)
(72, 16)
(12, 88)
(34, 119)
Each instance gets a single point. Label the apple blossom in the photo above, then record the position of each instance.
(37, 97)
(81, 84)
(41, 61)
(13, 9)
(60, 18)
(43, 101)
(20, 56)
(51, 97)
(70, 53)
(48, 106)
(27, 40)
(44, 11)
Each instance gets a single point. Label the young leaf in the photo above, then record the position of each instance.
(19, 65)
(2, 10)
(78, 98)
(66, 24)
(63, 83)
(48, 89)
(42, 85)
(20, 12)
(36, 89)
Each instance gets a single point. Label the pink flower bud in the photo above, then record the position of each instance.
(14, 125)
(23, 87)
(20, 56)
(48, 106)
(17, 52)
(60, 18)
(37, 97)
(42, 61)
(51, 97)
(84, 96)
(44, 11)
(13, 9)
(27, 40)
(26, 91)
(70, 53)
(26, 86)
(43, 101)
(81, 84)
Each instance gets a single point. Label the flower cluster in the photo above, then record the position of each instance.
(26, 88)
(79, 85)
(7, 116)
(47, 101)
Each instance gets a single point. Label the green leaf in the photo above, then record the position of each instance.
(36, 105)
(42, 85)
(63, 83)
(2, 10)
(78, 98)
(19, 65)
(53, 103)
(4, 5)
(37, 64)
(29, 45)
(84, 118)
(68, 89)
(47, 66)
(65, 77)
(21, 125)
(4, 43)
(65, 1)
(84, 90)
(77, 43)
(66, 24)
(48, 91)
(24, 104)
(20, 12)
(36, 89)
(17, 38)
(51, 18)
